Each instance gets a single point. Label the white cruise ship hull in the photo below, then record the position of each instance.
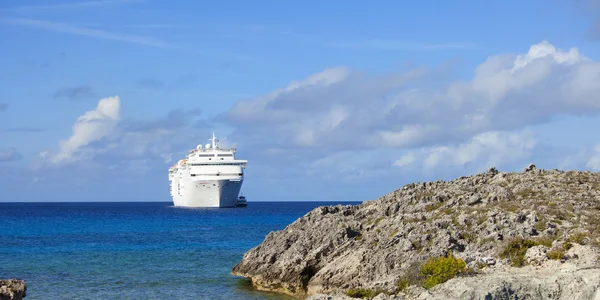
(209, 193)
(209, 176)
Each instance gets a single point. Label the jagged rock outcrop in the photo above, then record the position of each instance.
(372, 245)
(12, 289)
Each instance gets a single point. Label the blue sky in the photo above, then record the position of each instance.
(328, 100)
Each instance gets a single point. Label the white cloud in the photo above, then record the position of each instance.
(102, 139)
(92, 126)
(481, 151)
(362, 124)
(344, 109)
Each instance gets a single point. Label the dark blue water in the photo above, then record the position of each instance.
(136, 250)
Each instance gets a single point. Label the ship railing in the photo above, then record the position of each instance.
(214, 150)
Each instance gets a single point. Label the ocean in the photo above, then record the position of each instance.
(133, 250)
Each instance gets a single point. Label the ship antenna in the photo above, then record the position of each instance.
(214, 141)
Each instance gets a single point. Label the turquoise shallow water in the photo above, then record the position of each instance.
(136, 250)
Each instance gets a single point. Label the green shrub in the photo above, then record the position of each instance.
(362, 293)
(441, 269)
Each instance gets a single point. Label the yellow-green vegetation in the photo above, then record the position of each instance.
(432, 272)
(441, 269)
(363, 293)
(516, 248)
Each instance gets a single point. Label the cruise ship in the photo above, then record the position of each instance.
(209, 176)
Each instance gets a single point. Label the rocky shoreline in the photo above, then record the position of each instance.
(531, 234)
(12, 289)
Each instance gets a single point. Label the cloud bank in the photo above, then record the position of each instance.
(347, 126)
(423, 120)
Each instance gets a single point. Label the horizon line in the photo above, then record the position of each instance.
(267, 201)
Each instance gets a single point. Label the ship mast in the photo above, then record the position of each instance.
(214, 141)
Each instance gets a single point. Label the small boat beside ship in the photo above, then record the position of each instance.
(241, 202)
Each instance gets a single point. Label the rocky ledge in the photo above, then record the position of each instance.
(12, 289)
(493, 235)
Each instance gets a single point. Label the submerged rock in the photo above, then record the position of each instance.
(12, 289)
(543, 215)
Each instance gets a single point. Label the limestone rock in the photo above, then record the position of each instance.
(12, 289)
(333, 249)
(536, 255)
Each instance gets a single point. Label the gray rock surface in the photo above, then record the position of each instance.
(372, 245)
(537, 255)
(12, 289)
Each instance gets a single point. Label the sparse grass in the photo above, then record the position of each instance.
(508, 206)
(393, 233)
(480, 265)
(412, 220)
(425, 194)
(515, 250)
(416, 245)
(446, 211)
(545, 241)
(540, 225)
(481, 219)
(412, 276)
(525, 193)
(560, 252)
(433, 206)
(578, 237)
(486, 240)
(467, 237)
(377, 221)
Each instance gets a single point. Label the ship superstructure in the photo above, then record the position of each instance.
(209, 176)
